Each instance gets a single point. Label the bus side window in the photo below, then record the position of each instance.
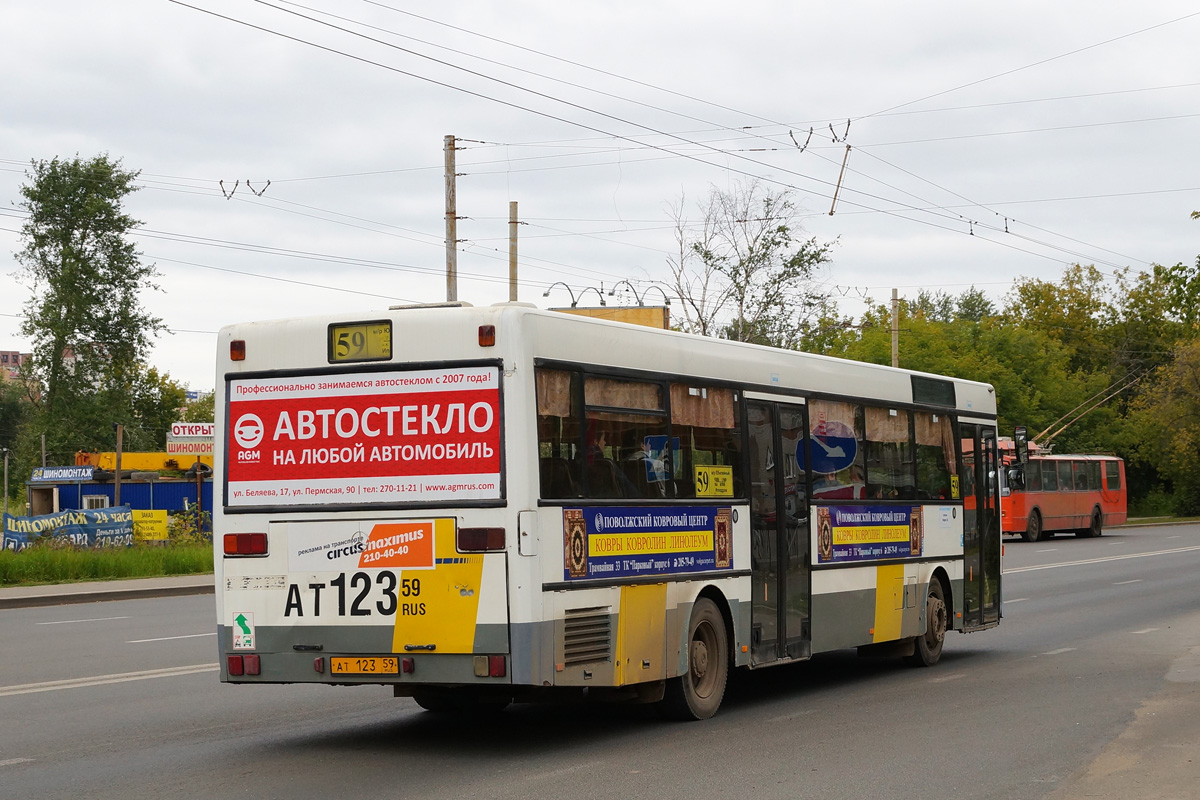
(1066, 481)
(1033, 475)
(706, 441)
(1093, 474)
(633, 458)
(1049, 477)
(835, 433)
(1079, 470)
(1112, 475)
(560, 435)
(890, 463)
(935, 455)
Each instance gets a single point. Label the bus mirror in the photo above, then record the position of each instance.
(1021, 443)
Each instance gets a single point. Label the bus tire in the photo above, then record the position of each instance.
(460, 700)
(435, 700)
(698, 692)
(1096, 528)
(928, 647)
(1033, 527)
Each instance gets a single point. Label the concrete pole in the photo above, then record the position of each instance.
(512, 251)
(451, 225)
(117, 467)
(895, 329)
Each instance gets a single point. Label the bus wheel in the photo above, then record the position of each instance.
(1096, 528)
(697, 694)
(433, 700)
(460, 700)
(1033, 528)
(928, 648)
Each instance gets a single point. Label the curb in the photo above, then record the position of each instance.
(65, 594)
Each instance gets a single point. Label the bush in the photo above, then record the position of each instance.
(58, 562)
(189, 527)
(1156, 503)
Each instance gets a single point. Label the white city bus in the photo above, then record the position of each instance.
(481, 505)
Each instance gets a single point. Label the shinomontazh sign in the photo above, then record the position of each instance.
(61, 474)
(191, 438)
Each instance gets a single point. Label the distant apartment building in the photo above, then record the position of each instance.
(10, 363)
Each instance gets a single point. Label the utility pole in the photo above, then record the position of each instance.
(117, 470)
(895, 329)
(451, 225)
(512, 251)
(6, 480)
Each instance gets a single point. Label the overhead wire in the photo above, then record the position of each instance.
(363, 59)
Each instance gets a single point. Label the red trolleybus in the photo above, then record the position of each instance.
(1048, 494)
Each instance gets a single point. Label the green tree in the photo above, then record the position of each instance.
(1168, 413)
(14, 410)
(746, 275)
(88, 327)
(202, 409)
(1072, 311)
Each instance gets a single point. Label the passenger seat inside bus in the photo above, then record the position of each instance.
(556, 478)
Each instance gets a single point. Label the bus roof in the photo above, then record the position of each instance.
(429, 334)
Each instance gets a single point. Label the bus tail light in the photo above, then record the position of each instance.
(490, 666)
(487, 335)
(480, 540)
(244, 665)
(245, 544)
(237, 350)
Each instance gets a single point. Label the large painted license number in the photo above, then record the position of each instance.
(360, 594)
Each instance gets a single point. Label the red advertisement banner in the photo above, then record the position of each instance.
(371, 438)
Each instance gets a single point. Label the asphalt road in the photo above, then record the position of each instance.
(1090, 688)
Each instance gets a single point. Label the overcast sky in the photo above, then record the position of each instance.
(1072, 124)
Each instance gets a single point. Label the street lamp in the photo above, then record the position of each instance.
(575, 300)
(568, 288)
(640, 297)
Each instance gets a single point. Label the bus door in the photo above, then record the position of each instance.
(779, 616)
(979, 478)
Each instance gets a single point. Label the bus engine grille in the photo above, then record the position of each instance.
(587, 635)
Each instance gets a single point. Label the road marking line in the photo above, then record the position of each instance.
(1176, 536)
(1146, 630)
(1122, 583)
(1101, 560)
(8, 762)
(69, 621)
(100, 680)
(1016, 600)
(1059, 651)
(171, 638)
(1050, 550)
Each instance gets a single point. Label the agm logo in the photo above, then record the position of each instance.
(248, 431)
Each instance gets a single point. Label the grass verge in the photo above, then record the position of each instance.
(40, 565)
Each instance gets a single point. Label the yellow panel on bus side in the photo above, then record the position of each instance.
(441, 618)
(889, 602)
(641, 634)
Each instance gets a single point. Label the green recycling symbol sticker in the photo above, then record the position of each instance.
(243, 630)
